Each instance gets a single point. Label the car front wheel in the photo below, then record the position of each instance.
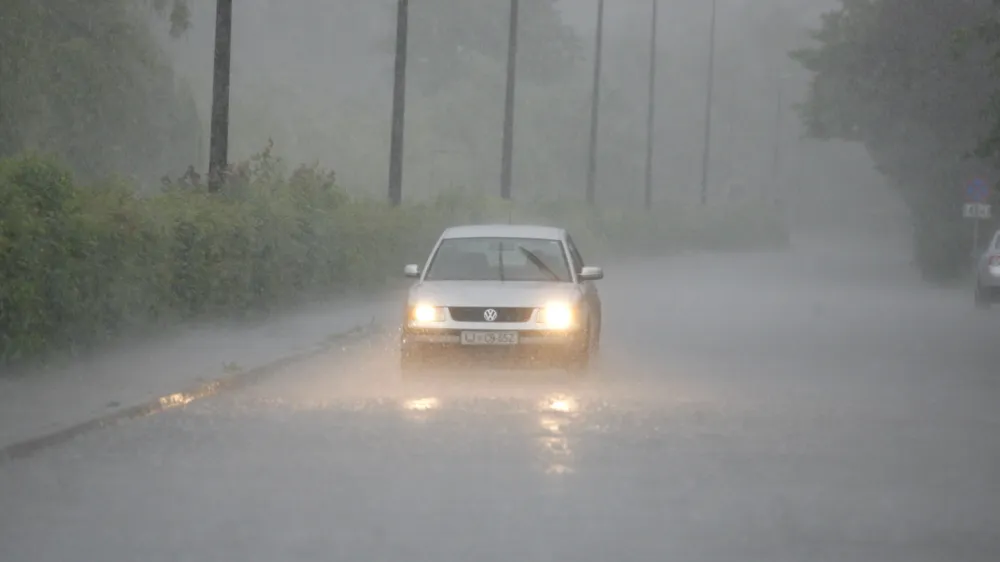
(581, 358)
(409, 359)
(982, 301)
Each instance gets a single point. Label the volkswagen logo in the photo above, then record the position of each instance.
(490, 314)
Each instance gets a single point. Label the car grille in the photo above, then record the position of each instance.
(477, 313)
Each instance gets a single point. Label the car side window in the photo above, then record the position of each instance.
(575, 254)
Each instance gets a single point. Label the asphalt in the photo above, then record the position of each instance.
(816, 405)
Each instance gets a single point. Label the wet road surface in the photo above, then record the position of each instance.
(786, 407)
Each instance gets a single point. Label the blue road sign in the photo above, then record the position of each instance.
(977, 191)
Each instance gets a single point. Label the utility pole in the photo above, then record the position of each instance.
(398, 106)
(776, 161)
(706, 152)
(650, 117)
(595, 102)
(218, 156)
(508, 117)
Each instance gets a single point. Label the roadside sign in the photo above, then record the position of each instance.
(977, 207)
(977, 211)
(977, 191)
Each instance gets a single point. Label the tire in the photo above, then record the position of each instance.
(579, 365)
(982, 302)
(595, 343)
(579, 368)
(409, 362)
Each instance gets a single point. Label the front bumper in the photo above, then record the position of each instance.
(988, 280)
(526, 338)
(533, 348)
(989, 293)
(989, 284)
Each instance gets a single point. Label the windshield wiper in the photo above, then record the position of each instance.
(500, 258)
(539, 263)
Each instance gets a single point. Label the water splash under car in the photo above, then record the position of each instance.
(501, 295)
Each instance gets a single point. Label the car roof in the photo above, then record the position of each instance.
(505, 231)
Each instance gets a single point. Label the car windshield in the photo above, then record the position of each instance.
(499, 259)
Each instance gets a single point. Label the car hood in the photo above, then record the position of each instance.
(492, 293)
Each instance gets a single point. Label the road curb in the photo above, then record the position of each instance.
(232, 381)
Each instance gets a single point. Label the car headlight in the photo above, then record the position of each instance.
(427, 313)
(557, 315)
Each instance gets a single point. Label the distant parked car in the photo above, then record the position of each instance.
(500, 292)
(988, 274)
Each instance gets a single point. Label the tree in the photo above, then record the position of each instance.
(448, 37)
(988, 34)
(178, 12)
(86, 81)
(886, 74)
(454, 93)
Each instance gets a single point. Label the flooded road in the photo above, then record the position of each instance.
(776, 407)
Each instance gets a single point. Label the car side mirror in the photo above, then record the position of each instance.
(591, 273)
(412, 271)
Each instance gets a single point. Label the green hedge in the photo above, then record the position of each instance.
(81, 264)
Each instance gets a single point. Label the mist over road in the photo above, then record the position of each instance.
(819, 404)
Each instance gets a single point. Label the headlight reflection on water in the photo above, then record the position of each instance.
(420, 409)
(560, 403)
(557, 413)
(556, 446)
(552, 425)
(422, 404)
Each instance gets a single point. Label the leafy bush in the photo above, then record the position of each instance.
(80, 264)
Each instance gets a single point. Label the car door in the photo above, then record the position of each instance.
(990, 253)
(590, 294)
(993, 250)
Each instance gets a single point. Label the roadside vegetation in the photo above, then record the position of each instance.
(102, 234)
(83, 263)
(917, 84)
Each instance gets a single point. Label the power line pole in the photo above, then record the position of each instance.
(706, 152)
(218, 152)
(650, 118)
(398, 106)
(595, 102)
(776, 161)
(508, 117)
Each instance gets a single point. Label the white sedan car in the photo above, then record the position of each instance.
(988, 275)
(495, 293)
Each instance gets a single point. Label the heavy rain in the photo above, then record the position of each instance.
(757, 237)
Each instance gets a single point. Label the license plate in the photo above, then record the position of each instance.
(489, 338)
